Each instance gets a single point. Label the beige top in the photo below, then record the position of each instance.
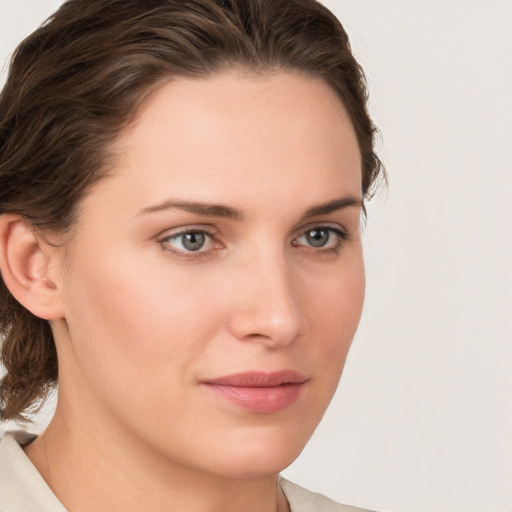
(23, 489)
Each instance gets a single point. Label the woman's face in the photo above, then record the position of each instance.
(216, 280)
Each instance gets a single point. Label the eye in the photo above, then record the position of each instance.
(317, 237)
(192, 241)
(322, 237)
(188, 241)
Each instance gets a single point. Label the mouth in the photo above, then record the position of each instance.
(259, 392)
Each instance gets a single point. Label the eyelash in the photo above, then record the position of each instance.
(211, 236)
(341, 237)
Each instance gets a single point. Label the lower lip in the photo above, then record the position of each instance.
(264, 400)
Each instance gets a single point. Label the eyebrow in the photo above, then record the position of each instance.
(222, 211)
(333, 206)
(199, 208)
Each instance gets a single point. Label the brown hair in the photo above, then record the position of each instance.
(79, 79)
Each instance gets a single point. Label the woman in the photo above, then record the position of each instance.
(181, 187)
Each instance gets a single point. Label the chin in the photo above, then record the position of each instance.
(259, 455)
(259, 465)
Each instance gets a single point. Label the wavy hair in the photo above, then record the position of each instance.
(79, 79)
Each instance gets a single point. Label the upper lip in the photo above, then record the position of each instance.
(259, 379)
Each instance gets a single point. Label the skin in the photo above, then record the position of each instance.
(139, 322)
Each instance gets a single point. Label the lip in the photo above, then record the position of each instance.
(259, 392)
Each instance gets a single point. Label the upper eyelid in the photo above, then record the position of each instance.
(334, 226)
(173, 233)
(341, 233)
(214, 231)
(164, 242)
(187, 228)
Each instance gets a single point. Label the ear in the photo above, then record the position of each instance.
(26, 265)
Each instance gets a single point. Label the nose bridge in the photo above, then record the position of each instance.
(268, 309)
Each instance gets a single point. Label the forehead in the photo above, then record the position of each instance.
(243, 100)
(235, 136)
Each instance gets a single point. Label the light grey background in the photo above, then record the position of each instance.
(422, 421)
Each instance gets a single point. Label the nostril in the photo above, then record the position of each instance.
(267, 326)
(266, 306)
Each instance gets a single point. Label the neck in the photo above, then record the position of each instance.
(94, 469)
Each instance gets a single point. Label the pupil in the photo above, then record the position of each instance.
(193, 241)
(318, 237)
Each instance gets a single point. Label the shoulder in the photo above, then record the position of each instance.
(22, 487)
(302, 500)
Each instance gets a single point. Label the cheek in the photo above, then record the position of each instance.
(135, 327)
(142, 307)
(137, 333)
(334, 309)
(336, 300)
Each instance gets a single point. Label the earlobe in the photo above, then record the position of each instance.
(25, 267)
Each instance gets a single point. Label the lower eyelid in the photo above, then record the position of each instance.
(212, 244)
(175, 236)
(341, 235)
(335, 245)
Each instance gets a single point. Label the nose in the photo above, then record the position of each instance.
(267, 308)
